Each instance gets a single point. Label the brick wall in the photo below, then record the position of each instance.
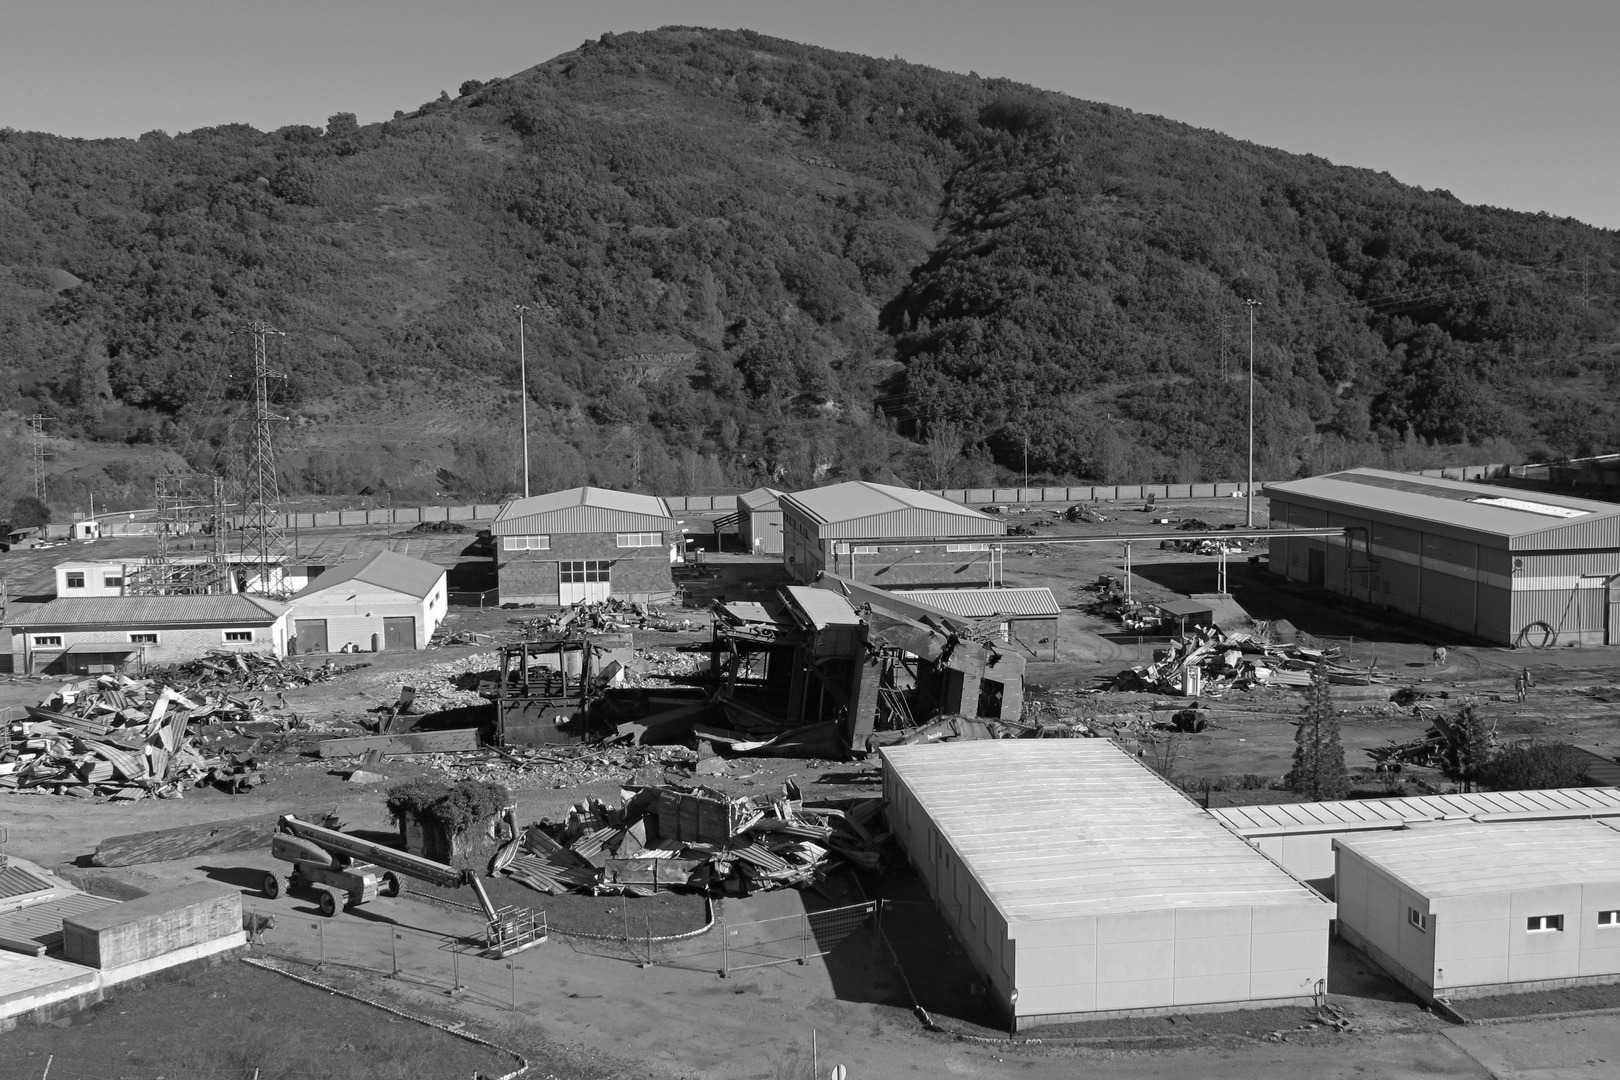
(637, 574)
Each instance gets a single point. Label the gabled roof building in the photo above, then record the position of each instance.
(97, 635)
(385, 601)
(1512, 567)
(586, 544)
(888, 536)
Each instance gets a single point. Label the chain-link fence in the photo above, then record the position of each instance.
(454, 963)
(789, 938)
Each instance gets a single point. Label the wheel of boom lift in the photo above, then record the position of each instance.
(272, 886)
(329, 904)
(392, 884)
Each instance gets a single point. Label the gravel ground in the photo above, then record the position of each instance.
(1540, 1002)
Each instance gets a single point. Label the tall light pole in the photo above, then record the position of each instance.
(523, 394)
(1248, 517)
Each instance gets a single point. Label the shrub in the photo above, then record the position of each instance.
(455, 808)
(1531, 766)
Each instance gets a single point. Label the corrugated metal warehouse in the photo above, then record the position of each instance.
(888, 536)
(1515, 568)
(1083, 885)
(586, 544)
(381, 602)
(1464, 910)
(1005, 606)
(759, 521)
(1299, 836)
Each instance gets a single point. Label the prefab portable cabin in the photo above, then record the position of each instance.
(1469, 909)
(1083, 885)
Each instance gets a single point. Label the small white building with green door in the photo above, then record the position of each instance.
(384, 601)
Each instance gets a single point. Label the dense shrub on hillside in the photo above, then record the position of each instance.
(788, 261)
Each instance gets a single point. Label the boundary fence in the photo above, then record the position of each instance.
(698, 504)
(790, 939)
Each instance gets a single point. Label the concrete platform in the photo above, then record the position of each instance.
(28, 983)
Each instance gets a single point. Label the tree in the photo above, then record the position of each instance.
(1318, 771)
(27, 512)
(342, 124)
(1468, 747)
(944, 450)
(471, 86)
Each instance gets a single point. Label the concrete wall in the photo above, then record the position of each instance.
(637, 574)
(354, 611)
(152, 926)
(1373, 909)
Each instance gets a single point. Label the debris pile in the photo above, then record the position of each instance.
(697, 838)
(1209, 660)
(1079, 512)
(247, 671)
(566, 766)
(1442, 747)
(126, 739)
(607, 616)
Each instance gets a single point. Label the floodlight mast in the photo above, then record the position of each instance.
(1248, 516)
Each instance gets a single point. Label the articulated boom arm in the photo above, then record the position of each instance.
(400, 862)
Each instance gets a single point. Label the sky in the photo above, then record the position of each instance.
(1511, 104)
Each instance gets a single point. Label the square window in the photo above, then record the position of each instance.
(238, 635)
(1544, 923)
(112, 581)
(75, 580)
(143, 639)
(1609, 918)
(47, 641)
(1417, 919)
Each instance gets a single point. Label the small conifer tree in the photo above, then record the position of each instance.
(1318, 771)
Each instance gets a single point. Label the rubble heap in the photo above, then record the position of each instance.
(1235, 659)
(1441, 747)
(607, 616)
(697, 838)
(247, 671)
(127, 739)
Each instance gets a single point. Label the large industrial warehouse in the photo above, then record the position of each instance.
(1466, 910)
(1083, 885)
(1515, 568)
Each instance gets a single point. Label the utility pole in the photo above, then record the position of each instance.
(1248, 516)
(1026, 459)
(265, 542)
(36, 424)
(523, 393)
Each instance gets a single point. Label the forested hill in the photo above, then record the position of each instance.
(747, 259)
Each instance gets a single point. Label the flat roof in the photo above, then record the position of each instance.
(1465, 858)
(1186, 607)
(1074, 828)
(861, 499)
(1356, 813)
(1484, 508)
(1017, 603)
(823, 607)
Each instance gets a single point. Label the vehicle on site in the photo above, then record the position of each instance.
(346, 871)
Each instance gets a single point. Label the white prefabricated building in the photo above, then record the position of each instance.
(1082, 885)
(1299, 836)
(1466, 909)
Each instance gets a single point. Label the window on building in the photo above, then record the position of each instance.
(636, 540)
(75, 579)
(47, 641)
(238, 635)
(1417, 919)
(526, 543)
(113, 581)
(967, 547)
(866, 549)
(1609, 918)
(1541, 923)
(150, 638)
(577, 573)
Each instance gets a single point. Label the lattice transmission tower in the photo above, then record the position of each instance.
(36, 424)
(264, 538)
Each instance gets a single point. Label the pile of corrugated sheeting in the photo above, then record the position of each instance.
(124, 739)
(1234, 659)
(663, 837)
(247, 671)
